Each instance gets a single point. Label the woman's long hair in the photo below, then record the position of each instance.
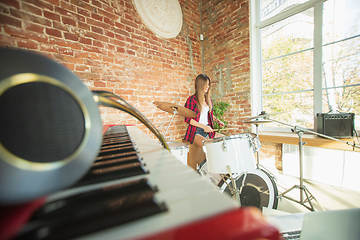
(200, 83)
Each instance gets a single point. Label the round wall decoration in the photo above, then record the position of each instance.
(163, 17)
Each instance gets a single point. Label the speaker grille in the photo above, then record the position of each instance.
(40, 122)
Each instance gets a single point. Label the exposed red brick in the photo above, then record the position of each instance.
(31, 9)
(53, 32)
(107, 45)
(28, 44)
(68, 20)
(34, 27)
(71, 36)
(11, 3)
(7, 20)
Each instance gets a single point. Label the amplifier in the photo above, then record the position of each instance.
(338, 125)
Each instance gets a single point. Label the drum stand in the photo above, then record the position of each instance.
(300, 131)
(175, 112)
(235, 192)
(302, 187)
(257, 122)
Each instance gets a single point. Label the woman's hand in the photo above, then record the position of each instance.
(221, 124)
(207, 129)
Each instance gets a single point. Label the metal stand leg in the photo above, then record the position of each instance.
(234, 189)
(175, 112)
(235, 192)
(258, 152)
(302, 187)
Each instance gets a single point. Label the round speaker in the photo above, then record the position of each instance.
(50, 127)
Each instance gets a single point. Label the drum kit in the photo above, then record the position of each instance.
(230, 162)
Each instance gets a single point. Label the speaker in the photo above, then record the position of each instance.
(338, 125)
(50, 126)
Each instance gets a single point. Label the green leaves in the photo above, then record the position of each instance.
(219, 109)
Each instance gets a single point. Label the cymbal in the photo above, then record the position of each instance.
(257, 121)
(263, 114)
(171, 107)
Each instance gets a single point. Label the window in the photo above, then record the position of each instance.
(341, 56)
(306, 59)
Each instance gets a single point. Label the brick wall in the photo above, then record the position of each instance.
(272, 151)
(225, 25)
(226, 53)
(106, 44)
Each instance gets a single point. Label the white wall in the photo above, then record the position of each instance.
(334, 167)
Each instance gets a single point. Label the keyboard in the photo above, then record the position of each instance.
(136, 189)
(293, 235)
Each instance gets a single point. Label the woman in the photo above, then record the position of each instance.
(201, 126)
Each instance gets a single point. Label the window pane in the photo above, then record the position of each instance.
(270, 8)
(288, 36)
(341, 57)
(287, 69)
(288, 74)
(347, 99)
(341, 20)
(284, 81)
(299, 105)
(342, 68)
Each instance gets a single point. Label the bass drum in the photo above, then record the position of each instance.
(259, 189)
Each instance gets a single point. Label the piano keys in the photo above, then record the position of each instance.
(136, 189)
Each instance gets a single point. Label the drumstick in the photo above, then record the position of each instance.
(225, 129)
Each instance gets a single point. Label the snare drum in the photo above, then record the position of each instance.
(259, 189)
(236, 151)
(179, 150)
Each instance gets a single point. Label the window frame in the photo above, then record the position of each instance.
(255, 53)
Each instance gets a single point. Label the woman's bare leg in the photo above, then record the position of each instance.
(198, 140)
(219, 135)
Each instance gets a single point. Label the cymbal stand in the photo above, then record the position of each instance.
(258, 156)
(258, 152)
(303, 190)
(175, 112)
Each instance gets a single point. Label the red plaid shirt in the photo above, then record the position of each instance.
(191, 130)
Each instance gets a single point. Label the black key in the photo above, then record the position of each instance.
(94, 218)
(72, 203)
(111, 173)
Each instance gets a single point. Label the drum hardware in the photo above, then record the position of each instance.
(227, 179)
(225, 149)
(264, 114)
(170, 108)
(235, 192)
(258, 187)
(303, 190)
(174, 109)
(299, 130)
(175, 112)
(257, 122)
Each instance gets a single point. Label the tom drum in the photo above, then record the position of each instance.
(179, 150)
(236, 151)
